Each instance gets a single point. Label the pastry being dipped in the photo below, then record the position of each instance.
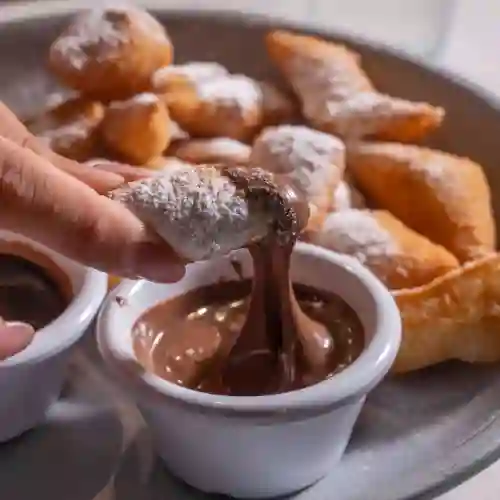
(204, 211)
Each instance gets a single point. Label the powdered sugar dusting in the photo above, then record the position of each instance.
(194, 72)
(342, 198)
(219, 148)
(356, 233)
(236, 91)
(336, 92)
(315, 160)
(65, 135)
(198, 211)
(145, 99)
(97, 33)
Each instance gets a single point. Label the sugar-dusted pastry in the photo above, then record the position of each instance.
(225, 106)
(217, 150)
(445, 197)
(278, 107)
(110, 53)
(165, 162)
(400, 257)
(314, 160)
(457, 316)
(176, 132)
(177, 77)
(68, 128)
(346, 196)
(338, 97)
(204, 211)
(137, 129)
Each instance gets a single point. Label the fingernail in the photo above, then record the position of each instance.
(14, 338)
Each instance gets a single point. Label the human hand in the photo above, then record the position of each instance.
(14, 337)
(59, 203)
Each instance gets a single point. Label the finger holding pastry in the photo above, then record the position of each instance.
(204, 211)
(50, 206)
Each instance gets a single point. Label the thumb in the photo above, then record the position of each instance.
(14, 337)
(56, 209)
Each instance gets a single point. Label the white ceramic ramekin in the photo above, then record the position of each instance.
(255, 446)
(31, 380)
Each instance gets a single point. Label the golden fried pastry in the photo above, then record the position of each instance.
(346, 196)
(226, 106)
(444, 197)
(110, 53)
(68, 128)
(400, 257)
(138, 129)
(277, 106)
(314, 160)
(338, 97)
(208, 101)
(178, 77)
(176, 132)
(217, 150)
(164, 163)
(456, 316)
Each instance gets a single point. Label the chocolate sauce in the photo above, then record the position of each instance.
(248, 340)
(186, 341)
(28, 293)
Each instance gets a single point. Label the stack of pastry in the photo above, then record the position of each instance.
(420, 219)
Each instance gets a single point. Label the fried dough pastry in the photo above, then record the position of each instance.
(138, 129)
(203, 211)
(110, 53)
(178, 77)
(278, 107)
(69, 127)
(315, 161)
(217, 150)
(338, 97)
(165, 162)
(444, 197)
(208, 101)
(227, 106)
(398, 256)
(346, 196)
(457, 316)
(176, 132)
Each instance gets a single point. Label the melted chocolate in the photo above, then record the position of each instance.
(187, 340)
(220, 341)
(27, 293)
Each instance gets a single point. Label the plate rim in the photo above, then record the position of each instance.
(462, 467)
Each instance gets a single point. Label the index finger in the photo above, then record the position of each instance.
(11, 128)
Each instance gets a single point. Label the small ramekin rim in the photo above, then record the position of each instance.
(356, 379)
(71, 324)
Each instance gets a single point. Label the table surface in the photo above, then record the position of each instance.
(469, 48)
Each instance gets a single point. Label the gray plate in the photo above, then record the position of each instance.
(418, 435)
